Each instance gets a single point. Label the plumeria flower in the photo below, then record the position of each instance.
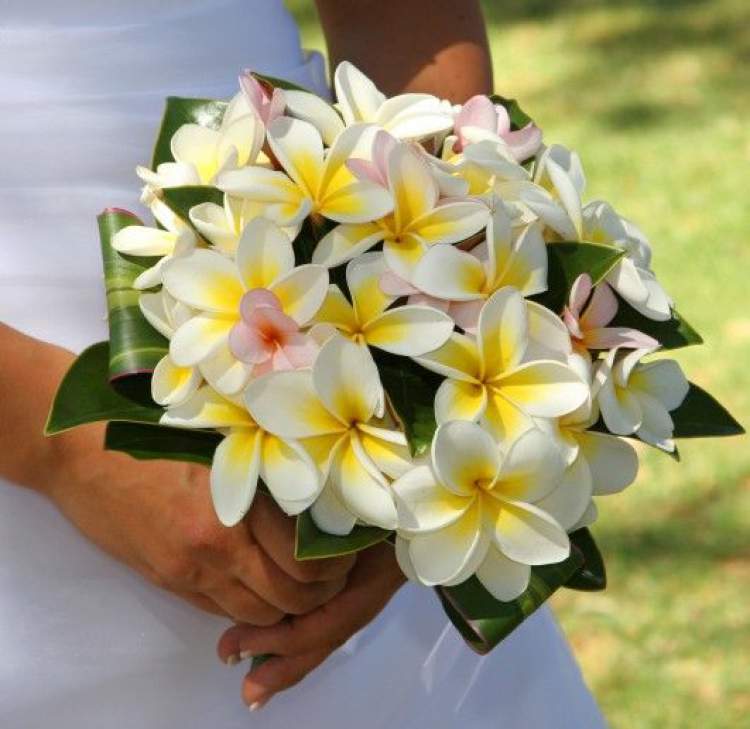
(267, 103)
(637, 397)
(588, 312)
(201, 153)
(494, 380)
(419, 219)
(406, 116)
(313, 182)
(221, 291)
(170, 383)
(480, 119)
(174, 239)
(405, 330)
(631, 277)
(556, 196)
(247, 453)
(222, 226)
(469, 278)
(331, 411)
(475, 510)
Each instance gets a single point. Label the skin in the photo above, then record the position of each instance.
(300, 613)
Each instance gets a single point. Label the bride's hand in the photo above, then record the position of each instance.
(301, 643)
(157, 517)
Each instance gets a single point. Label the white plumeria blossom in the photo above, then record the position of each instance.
(468, 278)
(314, 181)
(247, 453)
(497, 379)
(176, 239)
(215, 286)
(331, 411)
(631, 277)
(476, 509)
(636, 397)
(406, 116)
(419, 218)
(409, 330)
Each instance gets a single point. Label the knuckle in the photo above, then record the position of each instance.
(203, 538)
(178, 572)
(319, 570)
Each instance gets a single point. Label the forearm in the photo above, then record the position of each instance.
(435, 46)
(29, 376)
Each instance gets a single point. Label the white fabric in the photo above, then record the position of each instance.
(86, 644)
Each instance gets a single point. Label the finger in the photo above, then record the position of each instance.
(260, 573)
(275, 532)
(202, 602)
(371, 585)
(244, 605)
(278, 674)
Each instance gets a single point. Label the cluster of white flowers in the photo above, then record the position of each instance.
(442, 217)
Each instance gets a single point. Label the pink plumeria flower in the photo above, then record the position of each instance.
(267, 338)
(375, 170)
(587, 322)
(479, 116)
(393, 285)
(267, 105)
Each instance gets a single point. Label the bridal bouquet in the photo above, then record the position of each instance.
(402, 320)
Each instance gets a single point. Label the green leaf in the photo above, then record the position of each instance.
(85, 395)
(702, 416)
(135, 346)
(567, 261)
(181, 199)
(591, 575)
(148, 442)
(312, 543)
(484, 621)
(179, 111)
(518, 117)
(411, 392)
(671, 334)
(278, 83)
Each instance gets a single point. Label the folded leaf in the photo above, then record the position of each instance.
(179, 111)
(135, 346)
(147, 442)
(701, 416)
(567, 261)
(672, 333)
(312, 543)
(591, 576)
(411, 393)
(484, 621)
(85, 395)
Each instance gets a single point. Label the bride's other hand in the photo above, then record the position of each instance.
(155, 516)
(301, 643)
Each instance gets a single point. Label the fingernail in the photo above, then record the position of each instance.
(256, 705)
(233, 660)
(244, 655)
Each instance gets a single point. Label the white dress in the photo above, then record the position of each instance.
(85, 643)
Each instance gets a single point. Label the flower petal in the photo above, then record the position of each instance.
(449, 273)
(207, 409)
(140, 240)
(170, 384)
(363, 276)
(612, 462)
(337, 310)
(302, 291)
(503, 578)
(568, 502)
(199, 338)
(656, 426)
(224, 372)
(298, 147)
(503, 332)
(152, 308)
(450, 222)
(526, 534)
(289, 472)
(211, 222)
(204, 280)
(311, 108)
(409, 330)
(345, 242)
(663, 380)
(504, 420)
(264, 254)
(330, 515)
(458, 359)
(196, 145)
(234, 474)
(358, 97)
(459, 400)
(414, 189)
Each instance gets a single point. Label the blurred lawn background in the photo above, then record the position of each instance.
(655, 95)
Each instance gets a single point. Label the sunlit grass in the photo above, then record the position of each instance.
(655, 95)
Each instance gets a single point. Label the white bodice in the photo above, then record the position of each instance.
(85, 643)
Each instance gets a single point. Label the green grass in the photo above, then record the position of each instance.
(655, 95)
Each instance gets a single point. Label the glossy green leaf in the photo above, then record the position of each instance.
(181, 199)
(518, 117)
(135, 346)
(671, 334)
(701, 416)
(179, 111)
(149, 442)
(85, 395)
(278, 83)
(411, 393)
(591, 576)
(312, 543)
(567, 261)
(484, 621)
